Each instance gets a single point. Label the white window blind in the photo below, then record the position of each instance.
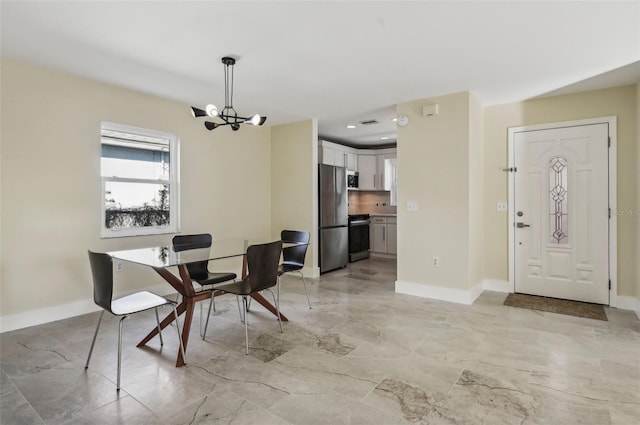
(139, 169)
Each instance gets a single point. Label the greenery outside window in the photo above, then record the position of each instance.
(140, 193)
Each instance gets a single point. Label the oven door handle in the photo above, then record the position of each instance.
(359, 222)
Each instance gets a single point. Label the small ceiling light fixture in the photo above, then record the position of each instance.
(228, 115)
(384, 138)
(351, 126)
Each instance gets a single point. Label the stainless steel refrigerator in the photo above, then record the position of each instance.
(334, 231)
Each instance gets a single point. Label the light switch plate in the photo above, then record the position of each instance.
(502, 206)
(412, 206)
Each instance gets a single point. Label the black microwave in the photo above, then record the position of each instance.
(352, 179)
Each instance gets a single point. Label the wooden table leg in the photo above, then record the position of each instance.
(266, 304)
(184, 286)
(186, 328)
(165, 322)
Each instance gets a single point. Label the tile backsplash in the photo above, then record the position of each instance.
(370, 202)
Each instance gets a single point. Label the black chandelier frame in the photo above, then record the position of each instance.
(228, 114)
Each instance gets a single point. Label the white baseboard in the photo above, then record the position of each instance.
(469, 296)
(442, 293)
(50, 314)
(497, 285)
(311, 272)
(628, 303)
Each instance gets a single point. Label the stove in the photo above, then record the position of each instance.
(358, 237)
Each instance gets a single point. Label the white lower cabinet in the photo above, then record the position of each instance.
(383, 235)
(378, 237)
(392, 237)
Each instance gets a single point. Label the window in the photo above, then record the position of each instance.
(140, 190)
(391, 179)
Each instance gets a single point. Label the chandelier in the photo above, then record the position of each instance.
(228, 115)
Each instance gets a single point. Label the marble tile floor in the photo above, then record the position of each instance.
(362, 355)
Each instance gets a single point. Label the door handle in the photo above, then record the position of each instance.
(521, 225)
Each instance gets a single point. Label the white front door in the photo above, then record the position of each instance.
(561, 212)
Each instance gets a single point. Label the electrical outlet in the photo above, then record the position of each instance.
(118, 266)
(435, 261)
(502, 206)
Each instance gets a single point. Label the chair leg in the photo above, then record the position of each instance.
(120, 351)
(159, 329)
(305, 288)
(239, 309)
(277, 303)
(177, 301)
(206, 323)
(175, 314)
(246, 326)
(93, 342)
(249, 304)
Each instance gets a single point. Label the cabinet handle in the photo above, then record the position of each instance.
(384, 236)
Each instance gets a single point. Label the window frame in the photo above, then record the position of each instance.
(173, 182)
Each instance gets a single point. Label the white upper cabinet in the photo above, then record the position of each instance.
(338, 155)
(352, 161)
(376, 168)
(332, 157)
(367, 170)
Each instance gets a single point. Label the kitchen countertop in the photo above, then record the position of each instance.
(383, 215)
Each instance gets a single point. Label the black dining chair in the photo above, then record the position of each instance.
(199, 271)
(293, 256)
(262, 264)
(102, 272)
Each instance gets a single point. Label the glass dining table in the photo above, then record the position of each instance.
(161, 258)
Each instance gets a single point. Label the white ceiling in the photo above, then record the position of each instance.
(339, 62)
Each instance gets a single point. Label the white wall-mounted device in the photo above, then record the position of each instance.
(430, 110)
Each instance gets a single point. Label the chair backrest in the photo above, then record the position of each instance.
(102, 272)
(186, 242)
(262, 263)
(295, 254)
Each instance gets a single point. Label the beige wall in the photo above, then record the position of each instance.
(50, 184)
(619, 102)
(433, 170)
(638, 199)
(294, 153)
(476, 192)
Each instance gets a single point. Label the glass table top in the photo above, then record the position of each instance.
(167, 256)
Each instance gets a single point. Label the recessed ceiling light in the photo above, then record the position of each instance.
(384, 138)
(394, 119)
(351, 126)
